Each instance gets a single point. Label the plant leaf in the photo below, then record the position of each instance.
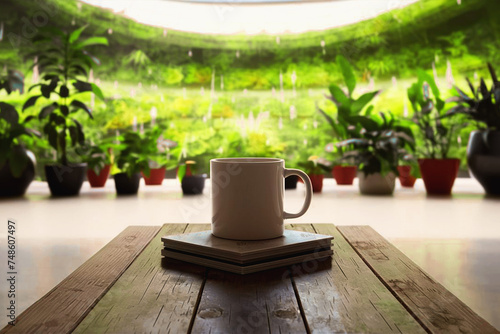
(80, 105)
(31, 102)
(91, 41)
(76, 34)
(347, 73)
(9, 113)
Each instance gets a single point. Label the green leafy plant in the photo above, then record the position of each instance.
(314, 166)
(429, 114)
(130, 155)
(64, 64)
(347, 106)
(484, 105)
(97, 156)
(380, 144)
(151, 143)
(12, 128)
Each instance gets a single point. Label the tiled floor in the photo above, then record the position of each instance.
(456, 240)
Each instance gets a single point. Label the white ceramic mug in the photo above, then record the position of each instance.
(247, 197)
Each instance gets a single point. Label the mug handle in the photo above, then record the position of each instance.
(307, 183)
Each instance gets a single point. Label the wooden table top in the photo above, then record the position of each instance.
(368, 286)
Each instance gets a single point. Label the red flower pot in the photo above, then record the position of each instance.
(344, 175)
(98, 180)
(405, 177)
(439, 175)
(317, 182)
(156, 176)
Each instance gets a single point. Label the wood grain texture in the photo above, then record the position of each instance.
(154, 295)
(262, 302)
(62, 309)
(343, 294)
(436, 308)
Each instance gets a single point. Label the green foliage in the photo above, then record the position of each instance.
(348, 107)
(12, 129)
(484, 105)
(436, 130)
(314, 166)
(64, 66)
(379, 144)
(130, 155)
(137, 59)
(97, 156)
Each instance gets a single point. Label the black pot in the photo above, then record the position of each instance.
(483, 158)
(65, 180)
(126, 185)
(11, 186)
(193, 185)
(291, 182)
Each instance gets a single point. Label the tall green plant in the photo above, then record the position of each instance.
(12, 128)
(484, 105)
(348, 107)
(436, 130)
(64, 66)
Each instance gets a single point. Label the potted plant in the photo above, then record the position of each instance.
(191, 183)
(437, 132)
(98, 159)
(152, 147)
(130, 161)
(17, 165)
(347, 106)
(408, 171)
(483, 150)
(315, 167)
(376, 151)
(64, 66)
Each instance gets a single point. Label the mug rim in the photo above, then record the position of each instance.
(248, 160)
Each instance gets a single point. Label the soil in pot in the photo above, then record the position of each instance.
(126, 185)
(344, 175)
(439, 175)
(317, 182)
(405, 178)
(156, 176)
(291, 182)
(65, 180)
(193, 184)
(377, 184)
(98, 180)
(483, 158)
(11, 186)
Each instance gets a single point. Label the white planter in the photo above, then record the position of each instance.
(376, 184)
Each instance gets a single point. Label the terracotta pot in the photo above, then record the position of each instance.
(98, 180)
(483, 158)
(405, 178)
(65, 180)
(156, 176)
(439, 175)
(317, 182)
(344, 175)
(377, 184)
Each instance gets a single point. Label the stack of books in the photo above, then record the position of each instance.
(245, 257)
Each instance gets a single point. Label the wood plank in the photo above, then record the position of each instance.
(256, 303)
(435, 307)
(62, 309)
(154, 295)
(343, 294)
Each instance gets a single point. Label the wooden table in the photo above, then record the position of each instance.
(368, 286)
